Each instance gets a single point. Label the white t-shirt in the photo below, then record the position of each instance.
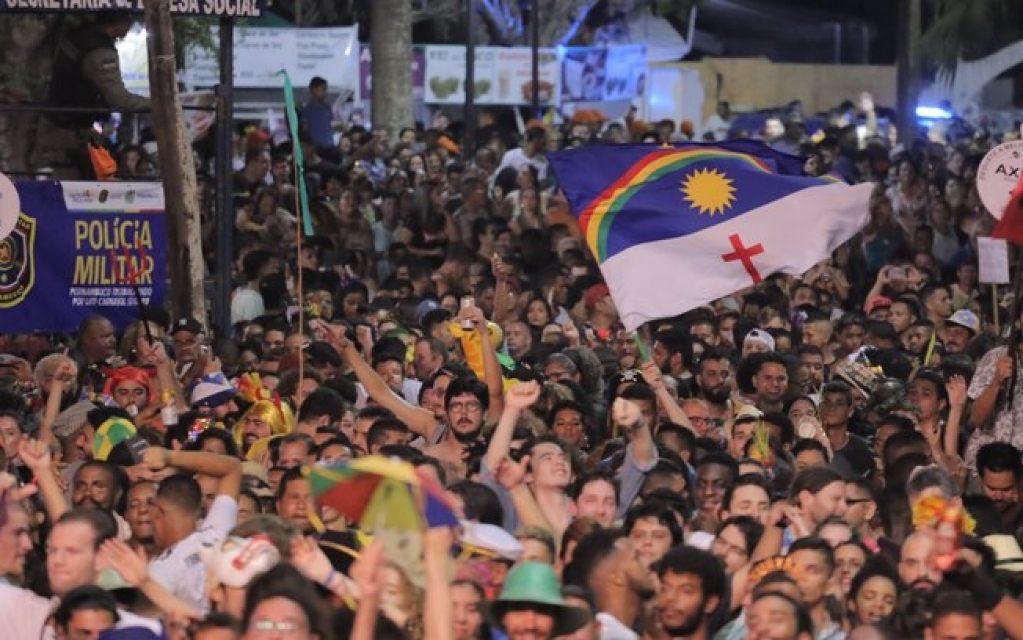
(612, 629)
(180, 569)
(516, 159)
(246, 305)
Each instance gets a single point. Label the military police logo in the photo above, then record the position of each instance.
(17, 263)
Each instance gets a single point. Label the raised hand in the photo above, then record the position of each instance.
(367, 571)
(522, 395)
(956, 387)
(625, 412)
(129, 562)
(309, 558)
(36, 455)
(156, 458)
(510, 474)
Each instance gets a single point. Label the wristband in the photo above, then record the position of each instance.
(330, 576)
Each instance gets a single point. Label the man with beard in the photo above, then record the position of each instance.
(1000, 470)
(810, 374)
(466, 400)
(607, 563)
(715, 377)
(692, 587)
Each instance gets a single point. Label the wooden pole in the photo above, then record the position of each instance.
(184, 233)
(994, 306)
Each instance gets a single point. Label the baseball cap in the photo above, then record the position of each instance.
(759, 335)
(191, 325)
(966, 318)
(877, 302)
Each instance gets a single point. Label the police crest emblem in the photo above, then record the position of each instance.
(17, 263)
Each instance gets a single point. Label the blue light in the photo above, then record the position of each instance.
(935, 113)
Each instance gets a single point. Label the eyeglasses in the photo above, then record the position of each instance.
(267, 627)
(467, 407)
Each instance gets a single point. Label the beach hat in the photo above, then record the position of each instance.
(966, 318)
(71, 420)
(536, 583)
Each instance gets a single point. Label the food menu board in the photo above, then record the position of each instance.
(501, 75)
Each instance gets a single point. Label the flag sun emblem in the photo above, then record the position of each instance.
(709, 191)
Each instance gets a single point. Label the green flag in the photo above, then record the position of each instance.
(303, 196)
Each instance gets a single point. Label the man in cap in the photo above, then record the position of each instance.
(190, 350)
(961, 327)
(531, 607)
(214, 396)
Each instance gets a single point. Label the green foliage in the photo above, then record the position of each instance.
(193, 32)
(970, 29)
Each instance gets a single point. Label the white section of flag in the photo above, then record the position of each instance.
(665, 278)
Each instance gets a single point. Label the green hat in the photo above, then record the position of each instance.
(110, 434)
(536, 583)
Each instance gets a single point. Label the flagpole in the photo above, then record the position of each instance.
(300, 294)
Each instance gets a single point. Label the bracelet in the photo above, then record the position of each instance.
(330, 576)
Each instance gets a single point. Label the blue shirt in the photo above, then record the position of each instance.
(317, 116)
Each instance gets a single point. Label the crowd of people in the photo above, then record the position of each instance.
(816, 457)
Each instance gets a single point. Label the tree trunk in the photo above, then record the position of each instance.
(908, 89)
(184, 232)
(391, 46)
(25, 64)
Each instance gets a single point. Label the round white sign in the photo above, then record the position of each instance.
(10, 206)
(998, 175)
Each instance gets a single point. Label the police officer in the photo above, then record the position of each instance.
(86, 75)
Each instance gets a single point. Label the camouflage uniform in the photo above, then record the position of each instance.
(86, 74)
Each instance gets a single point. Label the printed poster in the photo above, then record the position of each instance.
(73, 248)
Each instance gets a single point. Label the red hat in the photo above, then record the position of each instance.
(877, 302)
(595, 294)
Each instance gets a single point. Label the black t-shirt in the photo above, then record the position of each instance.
(855, 458)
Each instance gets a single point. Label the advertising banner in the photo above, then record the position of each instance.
(502, 75)
(218, 8)
(73, 250)
(259, 54)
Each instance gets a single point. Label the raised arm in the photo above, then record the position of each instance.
(664, 400)
(519, 397)
(956, 386)
(419, 420)
(626, 413)
(64, 376)
(984, 405)
(491, 367)
(440, 623)
(226, 468)
(36, 456)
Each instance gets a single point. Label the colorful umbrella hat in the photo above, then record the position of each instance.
(374, 491)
